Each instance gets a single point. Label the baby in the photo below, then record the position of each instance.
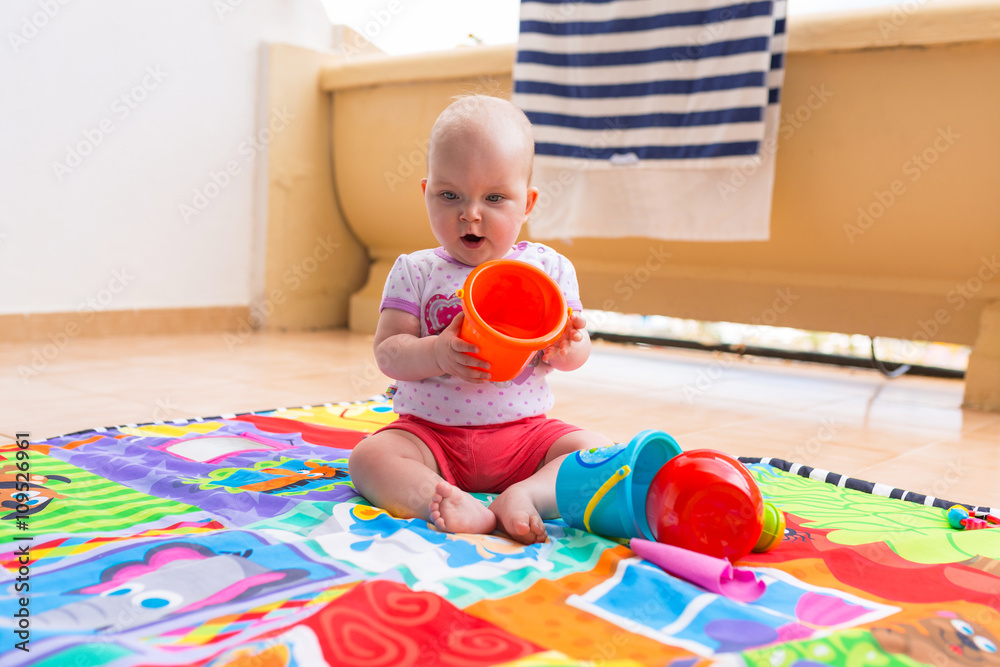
(457, 432)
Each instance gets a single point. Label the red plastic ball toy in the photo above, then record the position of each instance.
(706, 501)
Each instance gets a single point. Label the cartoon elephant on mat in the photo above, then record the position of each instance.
(174, 578)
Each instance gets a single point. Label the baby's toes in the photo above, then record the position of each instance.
(537, 528)
(521, 528)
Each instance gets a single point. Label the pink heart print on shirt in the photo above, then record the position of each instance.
(440, 311)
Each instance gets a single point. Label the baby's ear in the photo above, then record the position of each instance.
(423, 185)
(532, 199)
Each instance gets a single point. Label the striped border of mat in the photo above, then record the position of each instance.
(861, 485)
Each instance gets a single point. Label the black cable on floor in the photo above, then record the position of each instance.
(776, 353)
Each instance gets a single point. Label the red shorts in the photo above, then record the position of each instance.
(486, 458)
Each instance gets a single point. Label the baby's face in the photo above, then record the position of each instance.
(477, 194)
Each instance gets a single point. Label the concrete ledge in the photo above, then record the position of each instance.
(905, 23)
(376, 70)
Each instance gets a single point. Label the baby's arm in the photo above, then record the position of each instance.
(573, 349)
(402, 354)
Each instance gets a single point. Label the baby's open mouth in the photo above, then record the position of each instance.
(472, 241)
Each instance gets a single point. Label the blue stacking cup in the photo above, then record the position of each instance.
(603, 490)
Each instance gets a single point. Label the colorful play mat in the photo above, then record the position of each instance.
(239, 540)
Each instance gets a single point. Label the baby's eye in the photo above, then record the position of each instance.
(450, 196)
(494, 198)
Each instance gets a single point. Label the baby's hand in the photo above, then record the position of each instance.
(572, 334)
(454, 355)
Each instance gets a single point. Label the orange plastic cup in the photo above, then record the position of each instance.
(512, 310)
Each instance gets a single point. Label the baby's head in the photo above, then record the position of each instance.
(478, 187)
(483, 117)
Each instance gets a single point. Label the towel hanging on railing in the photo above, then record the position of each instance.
(643, 109)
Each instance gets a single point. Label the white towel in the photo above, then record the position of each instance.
(652, 123)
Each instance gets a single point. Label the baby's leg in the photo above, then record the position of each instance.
(521, 508)
(395, 470)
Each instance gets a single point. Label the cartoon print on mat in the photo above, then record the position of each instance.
(284, 477)
(916, 533)
(468, 568)
(314, 434)
(296, 647)
(30, 492)
(682, 614)
(59, 548)
(217, 447)
(384, 623)
(173, 578)
(74, 500)
(945, 640)
(850, 648)
(971, 580)
(169, 581)
(374, 540)
(334, 419)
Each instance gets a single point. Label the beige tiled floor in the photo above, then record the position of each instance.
(908, 432)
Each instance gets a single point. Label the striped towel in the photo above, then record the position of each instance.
(625, 81)
(651, 93)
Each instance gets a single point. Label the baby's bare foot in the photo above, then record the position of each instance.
(455, 511)
(516, 515)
